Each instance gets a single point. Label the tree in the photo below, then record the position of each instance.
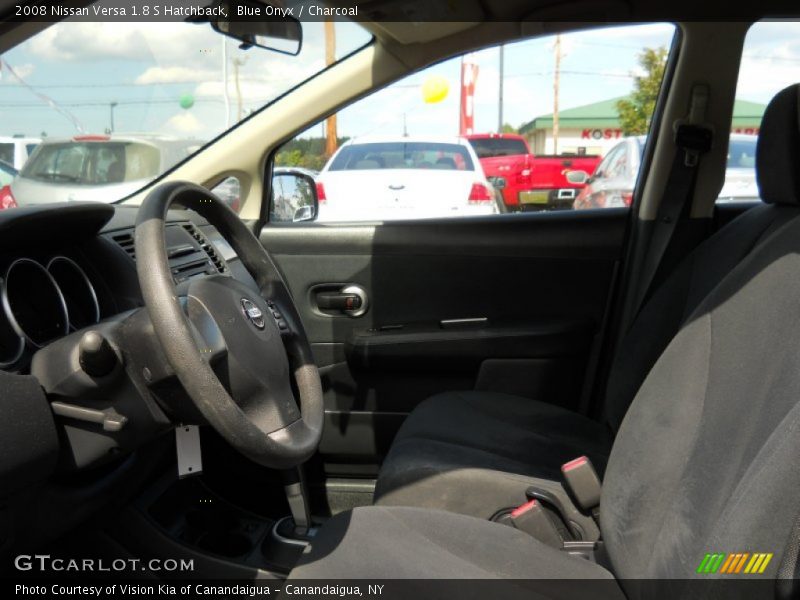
(508, 128)
(636, 110)
(305, 152)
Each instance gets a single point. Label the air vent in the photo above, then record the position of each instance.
(125, 241)
(215, 258)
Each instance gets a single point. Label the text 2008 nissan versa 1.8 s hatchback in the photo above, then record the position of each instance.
(209, 398)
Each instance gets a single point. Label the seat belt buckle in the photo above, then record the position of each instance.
(582, 483)
(694, 140)
(533, 519)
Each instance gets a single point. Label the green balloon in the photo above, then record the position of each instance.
(186, 101)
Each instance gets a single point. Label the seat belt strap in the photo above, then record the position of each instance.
(693, 139)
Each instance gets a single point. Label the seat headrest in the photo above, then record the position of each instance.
(778, 150)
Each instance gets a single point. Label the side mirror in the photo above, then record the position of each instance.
(256, 23)
(578, 177)
(304, 213)
(294, 196)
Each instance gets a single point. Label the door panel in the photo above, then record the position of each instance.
(510, 304)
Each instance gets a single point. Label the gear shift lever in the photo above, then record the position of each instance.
(295, 486)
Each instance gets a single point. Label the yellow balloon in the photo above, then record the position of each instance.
(435, 89)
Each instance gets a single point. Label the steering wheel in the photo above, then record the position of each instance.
(259, 335)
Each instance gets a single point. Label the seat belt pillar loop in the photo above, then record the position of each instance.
(692, 134)
(693, 138)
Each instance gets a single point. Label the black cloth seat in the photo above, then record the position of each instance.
(475, 453)
(480, 550)
(705, 459)
(502, 441)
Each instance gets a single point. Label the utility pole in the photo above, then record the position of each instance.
(500, 90)
(331, 137)
(112, 106)
(461, 98)
(238, 62)
(225, 95)
(556, 84)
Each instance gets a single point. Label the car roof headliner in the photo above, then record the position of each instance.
(404, 22)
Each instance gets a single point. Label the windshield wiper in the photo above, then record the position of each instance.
(61, 176)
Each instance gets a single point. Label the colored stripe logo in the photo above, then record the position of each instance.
(735, 563)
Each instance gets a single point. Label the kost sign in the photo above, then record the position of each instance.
(612, 134)
(601, 134)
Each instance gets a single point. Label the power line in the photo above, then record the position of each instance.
(69, 86)
(571, 72)
(121, 103)
(90, 104)
(48, 101)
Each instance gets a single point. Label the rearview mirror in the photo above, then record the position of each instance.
(294, 196)
(578, 177)
(261, 24)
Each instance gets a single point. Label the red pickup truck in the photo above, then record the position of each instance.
(529, 182)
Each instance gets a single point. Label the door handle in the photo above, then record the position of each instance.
(338, 301)
(351, 300)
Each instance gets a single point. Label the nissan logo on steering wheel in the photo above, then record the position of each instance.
(253, 313)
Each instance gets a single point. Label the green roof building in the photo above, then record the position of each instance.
(594, 128)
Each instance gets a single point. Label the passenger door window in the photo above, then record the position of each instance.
(7, 153)
(439, 143)
(768, 59)
(604, 168)
(618, 165)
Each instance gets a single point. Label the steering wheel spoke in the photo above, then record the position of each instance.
(207, 334)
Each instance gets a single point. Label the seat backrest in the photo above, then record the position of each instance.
(706, 459)
(445, 162)
(670, 305)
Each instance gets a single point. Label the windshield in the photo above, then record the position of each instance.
(491, 147)
(397, 155)
(742, 153)
(117, 104)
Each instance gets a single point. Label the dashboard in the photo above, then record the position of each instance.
(64, 268)
(71, 443)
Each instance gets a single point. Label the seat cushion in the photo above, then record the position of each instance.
(416, 544)
(475, 452)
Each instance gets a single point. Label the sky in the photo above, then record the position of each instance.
(146, 68)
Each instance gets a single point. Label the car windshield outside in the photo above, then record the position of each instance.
(112, 106)
(491, 147)
(403, 155)
(742, 153)
(93, 163)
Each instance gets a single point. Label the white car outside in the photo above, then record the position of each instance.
(740, 174)
(16, 149)
(383, 179)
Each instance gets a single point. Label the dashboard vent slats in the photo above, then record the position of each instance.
(125, 241)
(216, 259)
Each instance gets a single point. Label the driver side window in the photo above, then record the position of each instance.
(445, 143)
